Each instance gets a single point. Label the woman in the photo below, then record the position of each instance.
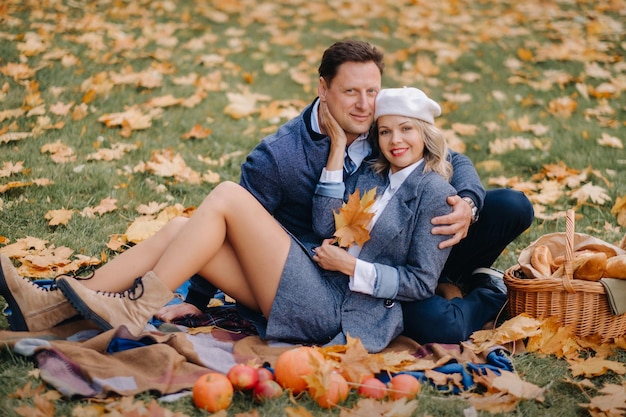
(236, 245)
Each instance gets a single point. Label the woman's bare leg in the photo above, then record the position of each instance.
(229, 217)
(120, 272)
(230, 240)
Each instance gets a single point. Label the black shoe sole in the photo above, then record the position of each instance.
(80, 305)
(17, 323)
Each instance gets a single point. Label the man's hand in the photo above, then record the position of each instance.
(173, 311)
(456, 223)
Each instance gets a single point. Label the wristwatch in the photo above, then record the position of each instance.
(474, 209)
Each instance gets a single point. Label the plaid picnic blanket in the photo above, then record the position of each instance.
(78, 359)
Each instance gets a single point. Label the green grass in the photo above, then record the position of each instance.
(456, 37)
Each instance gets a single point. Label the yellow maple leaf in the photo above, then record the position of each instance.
(60, 153)
(354, 361)
(517, 328)
(562, 107)
(197, 132)
(596, 194)
(353, 218)
(143, 227)
(554, 339)
(511, 383)
(619, 209)
(9, 168)
(591, 367)
(612, 402)
(61, 109)
(57, 217)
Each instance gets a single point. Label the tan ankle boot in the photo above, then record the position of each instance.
(132, 308)
(33, 308)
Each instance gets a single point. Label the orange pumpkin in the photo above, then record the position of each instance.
(293, 365)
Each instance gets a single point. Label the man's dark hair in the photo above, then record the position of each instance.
(348, 51)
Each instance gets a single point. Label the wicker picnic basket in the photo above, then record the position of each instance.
(581, 303)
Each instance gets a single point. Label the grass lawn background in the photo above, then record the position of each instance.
(531, 91)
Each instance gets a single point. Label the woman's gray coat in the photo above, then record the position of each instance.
(402, 248)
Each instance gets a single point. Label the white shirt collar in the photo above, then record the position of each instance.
(396, 180)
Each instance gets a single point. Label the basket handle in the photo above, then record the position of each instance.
(569, 252)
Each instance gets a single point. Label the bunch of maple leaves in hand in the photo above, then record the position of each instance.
(353, 218)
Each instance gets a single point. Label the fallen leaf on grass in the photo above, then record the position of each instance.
(611, 403)
(197, 132)
(14, 184)
(243, 104)
(504, 391)
(106, 205)
(61, 109)
(562, 107)
(143, 227)
(517, 328)
(129, 120)
(511, 383)
(60, 153)
(28, 391)
(117, 242)
(17, 71)
(10, 168)
(554, 339)
(610, 141)
(596, 366)
(619, 210)
(57, 217)
(166, 163)
(13, 136)
(590, 192)
(151, 208)
(117, 151)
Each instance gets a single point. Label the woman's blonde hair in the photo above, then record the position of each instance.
(435, 149)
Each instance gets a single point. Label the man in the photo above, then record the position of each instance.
(283, 171)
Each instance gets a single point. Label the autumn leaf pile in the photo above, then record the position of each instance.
(116, 116)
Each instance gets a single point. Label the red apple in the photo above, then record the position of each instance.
(243, 377)
(265, 374)
(332, 395)
(373, 388)
(212, 392)
(266, 390)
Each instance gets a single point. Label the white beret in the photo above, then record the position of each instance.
(406, 101)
